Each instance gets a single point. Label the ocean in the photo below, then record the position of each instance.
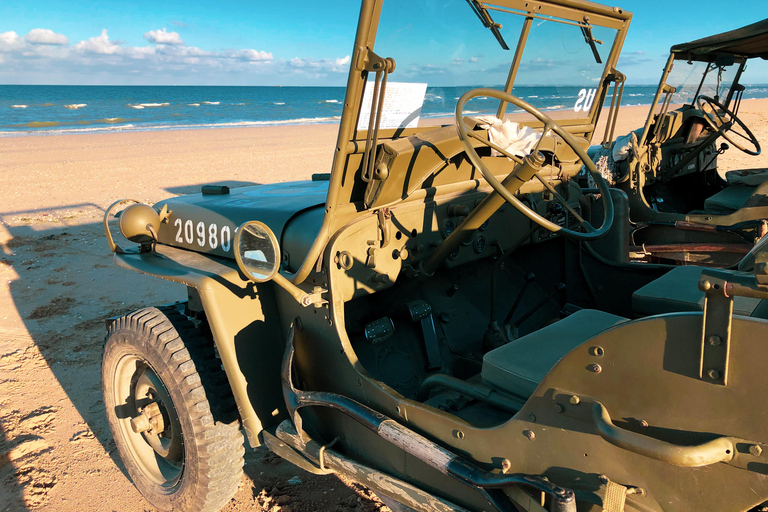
(49, 110)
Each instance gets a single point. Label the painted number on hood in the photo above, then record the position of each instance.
(210, 236)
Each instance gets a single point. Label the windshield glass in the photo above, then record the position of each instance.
(686, 77)
(446, 46)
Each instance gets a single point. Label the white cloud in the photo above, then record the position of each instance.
(46, 36)
(100, 45)
(163, 37)
(10, 41)
(44, 56)
(321, 65)
(247, 55)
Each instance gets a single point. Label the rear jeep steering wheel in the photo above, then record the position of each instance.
(590, 232)
(722, 120)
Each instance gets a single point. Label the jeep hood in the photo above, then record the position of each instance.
(207, 222)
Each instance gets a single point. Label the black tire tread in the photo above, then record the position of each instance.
(197, 373)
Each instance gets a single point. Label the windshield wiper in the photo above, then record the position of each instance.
(589, 38)
(488, 22)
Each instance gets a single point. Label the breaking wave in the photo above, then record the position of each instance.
(140, 106)
(151, 127)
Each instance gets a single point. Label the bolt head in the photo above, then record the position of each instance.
(574, 400)
(715, 341)
(595, 368)
(529, 434)
(755, 450)
(558, 408)
(713, 374)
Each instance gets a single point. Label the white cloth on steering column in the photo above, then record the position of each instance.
(513, 137)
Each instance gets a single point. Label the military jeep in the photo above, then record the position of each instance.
(685, 208)
(437, 318)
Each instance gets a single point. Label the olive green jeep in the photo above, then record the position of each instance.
(440, 317)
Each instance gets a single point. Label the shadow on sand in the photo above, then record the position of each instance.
(63, 285)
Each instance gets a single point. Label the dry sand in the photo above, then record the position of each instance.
(58, 283)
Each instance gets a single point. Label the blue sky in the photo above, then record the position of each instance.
(294, 42)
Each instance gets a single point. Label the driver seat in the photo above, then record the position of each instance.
(519, 366)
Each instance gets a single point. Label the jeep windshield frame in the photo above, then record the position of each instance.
(370, 67)
(710, 58)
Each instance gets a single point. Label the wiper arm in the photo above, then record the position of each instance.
(487, 21)
(589, 38)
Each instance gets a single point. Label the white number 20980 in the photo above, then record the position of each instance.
(212, 237)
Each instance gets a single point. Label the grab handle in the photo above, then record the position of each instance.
(717, 450)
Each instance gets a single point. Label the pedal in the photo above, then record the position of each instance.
(420, 311)
(379, 330)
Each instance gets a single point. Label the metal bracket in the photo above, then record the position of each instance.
(322, 454)
(384, 216)
(370, 61)
(315, 298)
(716, 329)
(370, 254)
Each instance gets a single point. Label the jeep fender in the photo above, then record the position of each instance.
(244, 322)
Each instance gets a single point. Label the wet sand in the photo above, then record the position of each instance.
(58, 283)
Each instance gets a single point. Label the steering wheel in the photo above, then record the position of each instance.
(722, 120)
(590, 232)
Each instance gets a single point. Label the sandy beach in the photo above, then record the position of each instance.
(58, 283)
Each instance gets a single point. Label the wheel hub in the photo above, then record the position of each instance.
(150, 420)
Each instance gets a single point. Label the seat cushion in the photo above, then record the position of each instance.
(678, 290)
(749, 177)
(729, 199)
(520, 365)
